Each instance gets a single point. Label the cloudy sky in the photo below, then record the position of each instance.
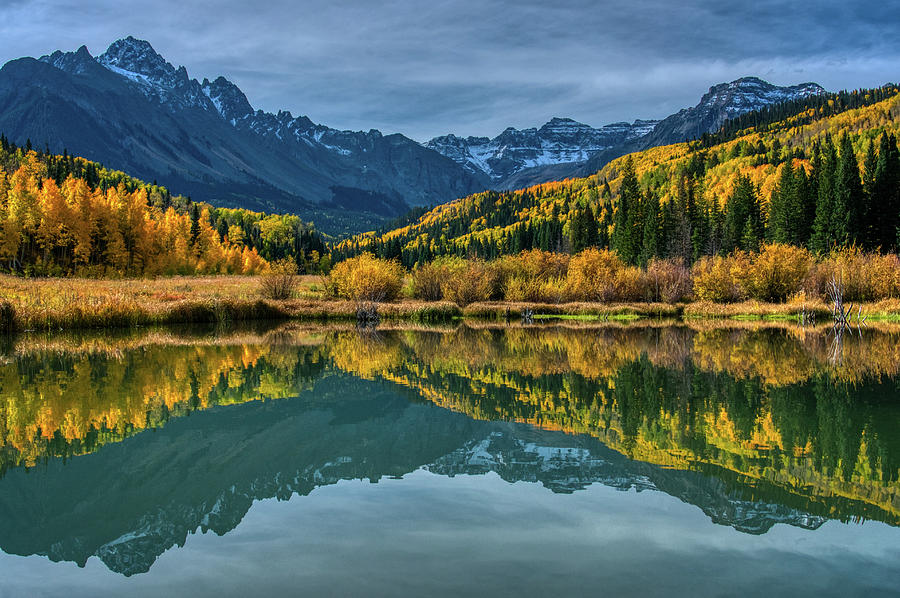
(474, 67)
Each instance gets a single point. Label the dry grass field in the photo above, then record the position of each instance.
(64, 303)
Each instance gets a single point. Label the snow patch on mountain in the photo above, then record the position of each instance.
(559, 141)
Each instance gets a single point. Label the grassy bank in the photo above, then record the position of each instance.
(69, 303)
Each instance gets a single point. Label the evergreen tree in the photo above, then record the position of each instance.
(195, 223)
(716, 228)
(606, 223)
(627, 237)
(682, 222)
(787, 209)
(885, 203)
(592, 234)
(668, 221)
(578, 230)
(583, 229)
(825, 166)
(848, 196)
(650, 242)
(806, 199)
(699, 216)
(871, 237)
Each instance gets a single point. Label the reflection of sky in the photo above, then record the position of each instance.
(431, 535)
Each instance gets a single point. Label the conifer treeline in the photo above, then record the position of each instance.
(65, 215)
(833, 183)
(829, 206)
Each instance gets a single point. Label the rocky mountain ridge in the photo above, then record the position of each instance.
(722, 102)
(559, 141)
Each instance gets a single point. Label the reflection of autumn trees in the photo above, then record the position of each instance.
(57, 402)
(765, 402)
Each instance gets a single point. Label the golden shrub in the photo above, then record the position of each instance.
(668, 281)
(553, 290)
(531, 265)
(537, 290)
(630, 285)
(716, 278)
(280, 281)
(543, 265)
(522, 288)
(776, 272)
(865, 276)
(367, 278)
(592, 275)
(477, 281)
(426, 281)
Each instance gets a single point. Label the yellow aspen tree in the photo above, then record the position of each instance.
(208, 248)
(252, 262)
(52, 230)
(33, 167)
(235, 235)
(115, 253)
(83, 220)
(22, 216)
(178, 242)
(139, 239)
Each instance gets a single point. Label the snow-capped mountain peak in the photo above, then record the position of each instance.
(137, 60)
(74, 62)
(751, 93)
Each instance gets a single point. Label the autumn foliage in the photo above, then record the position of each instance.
(475, 281)
(776, 272)
(50, 228)
(716, 278)
(367, 278)
(280, 281)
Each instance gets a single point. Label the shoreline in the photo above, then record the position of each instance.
(117, 314)
(71, 303)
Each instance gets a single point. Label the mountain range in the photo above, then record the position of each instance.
(132, 110)
(564, 148)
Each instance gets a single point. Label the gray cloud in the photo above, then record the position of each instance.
(475, 67)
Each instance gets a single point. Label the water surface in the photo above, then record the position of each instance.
(643, 459)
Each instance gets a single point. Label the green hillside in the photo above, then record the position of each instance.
(819, 174)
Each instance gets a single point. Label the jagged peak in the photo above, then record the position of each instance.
(227, 97)
(138, 56)
(73, 62)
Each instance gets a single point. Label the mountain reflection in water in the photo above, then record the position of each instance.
(120, 447)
